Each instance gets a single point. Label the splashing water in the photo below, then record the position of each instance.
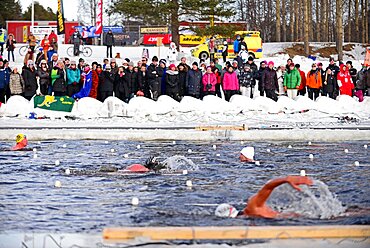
(179, 163)
(313, 202)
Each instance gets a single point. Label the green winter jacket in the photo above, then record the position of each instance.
(292, 79)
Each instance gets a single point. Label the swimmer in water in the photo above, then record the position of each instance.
(256, 205)
(21, 142)
(151, 164)
(247, 154)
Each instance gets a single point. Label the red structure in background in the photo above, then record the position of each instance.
(16, 28)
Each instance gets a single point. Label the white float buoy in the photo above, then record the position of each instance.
(189, 183)
(57, 184)
(268, 150)
(345, 150)
(34, 149)
(190, 151)
(57, 162)
(135, 201)
(112, 150)
(365, 146)
(357, 163)
(290, 147)
(138, 146)
(218, 155)
(214, 147)
(242, 142)
(311, 156)
(125, 155)
(67, 171)
(64, 145)
(309, 143)
(303, 173)
(39, 142)
(185, 172)
(106, 142)
(35, 155)
(257, 163)
(174, 142)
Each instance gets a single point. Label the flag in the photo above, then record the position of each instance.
(60, 18)
(99, 18)
(56, 103)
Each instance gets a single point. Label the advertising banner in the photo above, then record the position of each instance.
(60, 18)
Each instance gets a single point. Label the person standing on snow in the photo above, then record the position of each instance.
(209, 81)
(302, 85)
(107, 86)
(4, 81)
(314, 82)
(292, 80)
(236, 45)
(87, 84)
(73, 79)
(172, 53)
(259, 77)
(44, 77)
(172, 83)
(16, 83)
(246, 80)
(280, 74)
(2, 41)
(242, 45)
(182, 79)
(76, 40)
(59, 79)
(270, 81)
(194, 81)
(45, 44)
(344, 81)
(109, 42)
(154, 78)
(10, 46)
(225, 51)
(230, 83)
(30, 82)
(361, 81)
(330, 84)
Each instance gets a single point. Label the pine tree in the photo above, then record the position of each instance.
(41, 14)
(9, 10)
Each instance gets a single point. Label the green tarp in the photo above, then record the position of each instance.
(56, 103)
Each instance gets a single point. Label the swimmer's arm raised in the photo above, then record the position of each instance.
(263, 194)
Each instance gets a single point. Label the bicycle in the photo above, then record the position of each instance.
(85, 51)
(24, 49)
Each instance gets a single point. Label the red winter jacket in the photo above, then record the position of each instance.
(95, 84)
(344, 78)
(303, 80)
(209, 78)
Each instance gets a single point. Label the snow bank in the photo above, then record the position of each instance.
(87, 107)
(113, 107)
(17, 105)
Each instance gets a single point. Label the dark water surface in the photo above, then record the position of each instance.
(88, 203)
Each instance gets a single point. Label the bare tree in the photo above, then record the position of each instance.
(356, 21)
(291, 20)
(367, 21)
(306, 32)
(297, 5)
(278, 20)
(318, 24)
(363, 25)
(339, 27)
(349, 23)
(283, 20)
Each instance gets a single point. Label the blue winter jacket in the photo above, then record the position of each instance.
(85, 91)
(236, 46)
(73, 76)
(4, 78)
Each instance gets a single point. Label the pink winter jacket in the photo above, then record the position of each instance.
(230, 81)
(209, 78)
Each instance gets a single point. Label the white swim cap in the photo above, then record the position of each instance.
(248, 152)
(226, 210)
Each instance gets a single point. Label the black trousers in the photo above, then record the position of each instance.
(10, 52)
(271, 94)
(76, 49)
(2, 95)
(72, 89)
(59, 93)
(313, 93)
(230, 93)
(105, 94)
(2, 49)
(109, 51)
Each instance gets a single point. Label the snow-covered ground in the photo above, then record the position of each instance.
(257, 113)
